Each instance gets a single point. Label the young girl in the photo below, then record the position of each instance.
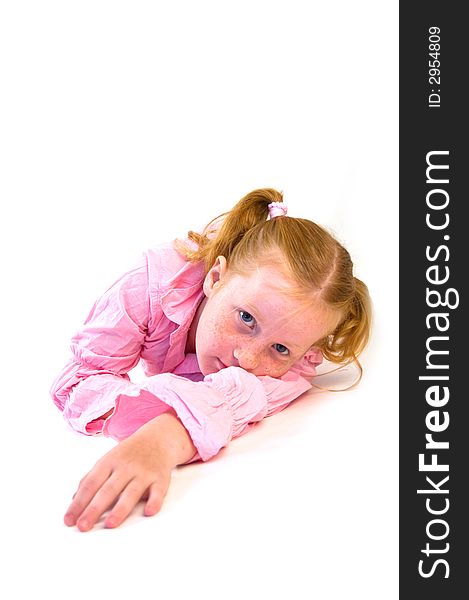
(229, 326)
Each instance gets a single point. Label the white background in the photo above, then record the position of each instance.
(124, 124)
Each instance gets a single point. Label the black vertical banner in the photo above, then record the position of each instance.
(434, 239)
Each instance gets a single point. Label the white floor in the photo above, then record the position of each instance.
(124, 125)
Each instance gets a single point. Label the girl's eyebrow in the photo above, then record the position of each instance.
(251, 309)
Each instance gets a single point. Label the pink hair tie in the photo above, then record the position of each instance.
(277, 209)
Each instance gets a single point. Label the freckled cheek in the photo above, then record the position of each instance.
(270, 367)
(222, 334)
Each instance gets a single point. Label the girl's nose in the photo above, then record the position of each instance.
(247, 358)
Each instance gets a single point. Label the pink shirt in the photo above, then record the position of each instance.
(145, 316)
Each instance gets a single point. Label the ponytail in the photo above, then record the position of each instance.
(351, 336)
(223, 234)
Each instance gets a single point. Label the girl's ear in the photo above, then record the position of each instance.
(306, 366)
(215, 275)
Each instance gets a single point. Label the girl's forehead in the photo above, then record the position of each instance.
(269, 282)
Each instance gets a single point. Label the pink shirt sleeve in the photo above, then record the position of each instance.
(221, 407)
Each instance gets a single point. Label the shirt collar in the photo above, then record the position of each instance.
(183, 294)
(179, 303)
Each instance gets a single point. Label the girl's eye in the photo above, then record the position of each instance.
(281, 349)
(246, 318)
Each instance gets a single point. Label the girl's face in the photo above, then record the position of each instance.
(249, 321)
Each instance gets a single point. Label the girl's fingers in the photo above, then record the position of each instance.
(126, 503)
(155, 497)
(87, 489)
(101, 501)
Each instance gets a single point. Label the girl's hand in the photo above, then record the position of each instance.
(139, 466)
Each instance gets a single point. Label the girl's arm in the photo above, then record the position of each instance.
(95, 394)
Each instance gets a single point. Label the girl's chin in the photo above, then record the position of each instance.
(211, 366)
(218, 365)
